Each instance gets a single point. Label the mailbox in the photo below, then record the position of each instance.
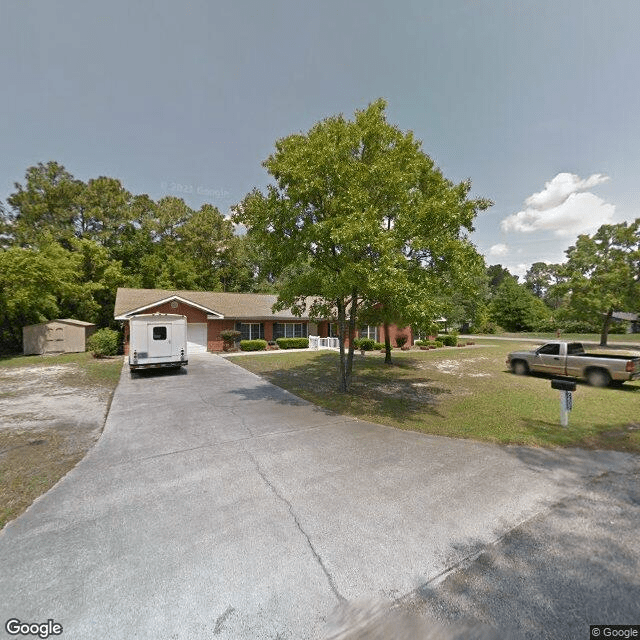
(563, 385)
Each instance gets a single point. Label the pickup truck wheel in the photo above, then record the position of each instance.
(520, 368)
(598, 378)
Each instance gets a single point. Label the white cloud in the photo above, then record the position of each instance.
(562, 208)
(499, 250)
(560, 188)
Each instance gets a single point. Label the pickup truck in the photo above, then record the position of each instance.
(570, 359)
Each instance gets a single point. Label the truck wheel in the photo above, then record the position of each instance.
(520, 368)
(598, 378)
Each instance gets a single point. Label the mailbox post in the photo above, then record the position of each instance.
(566, 388)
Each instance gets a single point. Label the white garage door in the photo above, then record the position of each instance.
(196, 337)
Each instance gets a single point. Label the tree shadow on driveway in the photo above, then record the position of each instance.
(575, 565)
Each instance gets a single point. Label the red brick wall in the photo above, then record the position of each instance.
(214, 341)
(193, 314)
(394, 332)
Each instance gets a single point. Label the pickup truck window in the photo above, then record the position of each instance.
(550, 350)
(574, 348)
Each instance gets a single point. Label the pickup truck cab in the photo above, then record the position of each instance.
(570, 359)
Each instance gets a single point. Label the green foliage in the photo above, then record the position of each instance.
(401, 341)
(37, 285)
(253, 345)
(497, 274)
(104, 342)
(602, 275)
(66, 246)
(360, 218)
(449, 340)
(515, 308)
(230, 336)
(365, 344)
(293, 343)
(378, 345)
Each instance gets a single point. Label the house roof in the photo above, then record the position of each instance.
(621, 315)
(250, 306)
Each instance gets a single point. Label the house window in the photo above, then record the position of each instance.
(251, 331)
(159, 333)
(369, 331)
(289, 330)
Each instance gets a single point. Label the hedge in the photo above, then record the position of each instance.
(449, 340)
(293, 343)
(104, 342)
(253, 345)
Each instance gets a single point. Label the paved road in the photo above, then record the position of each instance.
(216, 505)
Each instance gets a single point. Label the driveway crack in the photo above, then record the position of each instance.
(296, 521)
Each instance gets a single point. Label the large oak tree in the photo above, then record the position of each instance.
(360, 217)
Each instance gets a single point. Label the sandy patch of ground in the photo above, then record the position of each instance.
(50, 416)
(45, 398)
(459, 368)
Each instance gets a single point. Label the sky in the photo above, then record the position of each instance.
(536, 101)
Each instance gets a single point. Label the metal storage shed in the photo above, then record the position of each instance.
(56, 336)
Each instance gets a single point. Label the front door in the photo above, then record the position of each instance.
(159, 340)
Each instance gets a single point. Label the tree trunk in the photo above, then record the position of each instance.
(387, 344)
(343, 382)
(353, 313)
(605, 328)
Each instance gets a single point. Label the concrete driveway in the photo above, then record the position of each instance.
(216, 505)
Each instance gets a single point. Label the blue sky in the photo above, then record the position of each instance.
(537, 101)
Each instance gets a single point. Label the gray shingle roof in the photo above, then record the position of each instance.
(255, 306)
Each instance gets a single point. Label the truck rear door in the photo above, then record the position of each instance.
(159, 340)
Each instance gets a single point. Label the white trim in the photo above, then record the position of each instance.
(211, 314)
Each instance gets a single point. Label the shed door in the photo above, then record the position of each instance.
(159, 340)
(196, 337)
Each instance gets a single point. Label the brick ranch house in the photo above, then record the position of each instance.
(210, 312)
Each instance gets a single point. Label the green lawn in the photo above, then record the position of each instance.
(613, 338)
(460, 392)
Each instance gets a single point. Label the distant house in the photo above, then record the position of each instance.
(210, 312)
(56, 336)
(632, 318)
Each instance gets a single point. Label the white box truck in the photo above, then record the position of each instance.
(157, 340)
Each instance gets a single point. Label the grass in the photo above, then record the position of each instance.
(613, 338)
(464, 393)
(33, 460)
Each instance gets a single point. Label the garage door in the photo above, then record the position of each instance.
(196, 337)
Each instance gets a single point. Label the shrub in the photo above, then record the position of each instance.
(401, 341)
(439, 343)
(104, 342)
(253, 345)
(293, 343)
(420, 343)
(379, 345)
(450, 340)
(365, 344)
(579, 326)
(229, 338)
